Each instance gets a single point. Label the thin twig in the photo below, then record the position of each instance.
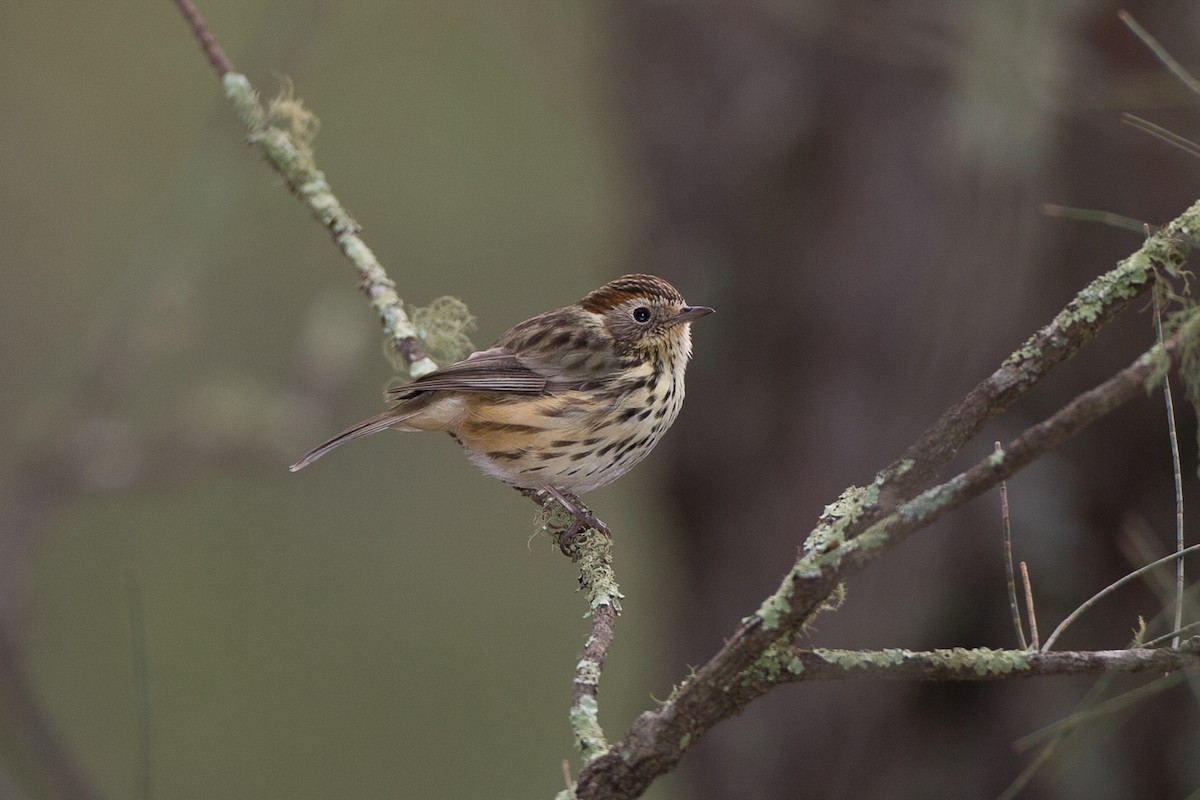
(1091, 215)
(1140, 545)
(568, 782)
(1112, 587)
(1178, 471)
(1175, 634)
(1109, 706)
(1059, 732)
(1159, 132)
(1019, 783)
(1009, 578)
(1033, 629)
(1090, 698)
(983, 664)
(216, 56)
(1160, 52)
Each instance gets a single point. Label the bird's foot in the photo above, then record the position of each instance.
(584, 518)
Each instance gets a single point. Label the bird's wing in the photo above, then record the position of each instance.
(492, 370)
(500, 369)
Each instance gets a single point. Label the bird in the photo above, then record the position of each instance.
(563, 403)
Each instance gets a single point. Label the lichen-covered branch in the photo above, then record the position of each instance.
(284, 130)
(971, 664)
(722, 687)
(592, 551)
(1074, 326)
(594, 554)
(795, 665)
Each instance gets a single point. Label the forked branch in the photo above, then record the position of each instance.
(844, 543)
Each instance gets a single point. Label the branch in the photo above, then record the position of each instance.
(1160, 52)
(1073, 327)
(593, 551)
(1176, 556)
(723, 686)
(216, 56)
(976, 664)
(285, 130)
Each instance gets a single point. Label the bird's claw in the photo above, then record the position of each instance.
(582, 515)
(583, 519)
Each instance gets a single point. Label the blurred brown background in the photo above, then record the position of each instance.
(853, 185)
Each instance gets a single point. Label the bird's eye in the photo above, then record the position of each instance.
(641, 314)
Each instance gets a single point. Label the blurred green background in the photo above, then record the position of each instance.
(853, 185)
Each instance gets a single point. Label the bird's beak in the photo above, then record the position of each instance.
(690, 313)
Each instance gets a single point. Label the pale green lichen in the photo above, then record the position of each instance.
(684, 741)
(776, 659)
(931, 500)
(980, 660)
(855, 659)
(245, 101)
(585, 722)
(590, 549)
(854, 500)
(983, 660)
(828, 537)
(596, 576)
(587, 672)
(776, 605)
(443, 326)
(1139, 633)
(551, 518)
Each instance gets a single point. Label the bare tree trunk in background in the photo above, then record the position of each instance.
(855, 186)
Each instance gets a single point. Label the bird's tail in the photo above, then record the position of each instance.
(375, 424)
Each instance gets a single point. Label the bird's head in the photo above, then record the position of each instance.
(644, 313)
